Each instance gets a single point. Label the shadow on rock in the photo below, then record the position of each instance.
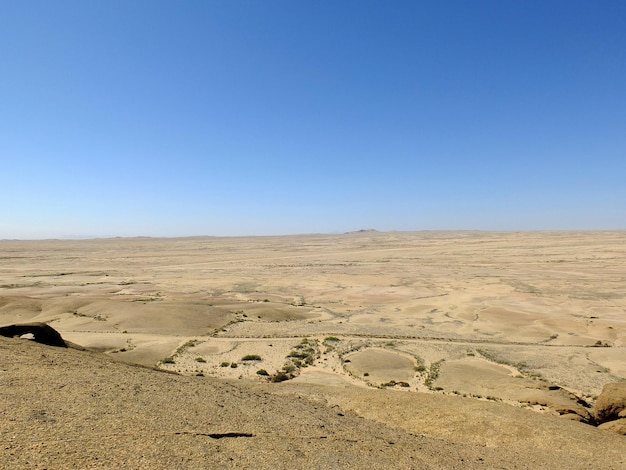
(42, 333)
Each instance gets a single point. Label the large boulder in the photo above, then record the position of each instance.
(42, 333)
(611, 404)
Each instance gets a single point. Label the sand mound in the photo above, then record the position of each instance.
(476, 377)
(379, 365)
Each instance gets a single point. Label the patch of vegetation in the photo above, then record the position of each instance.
(487, 354)
(306, 351)
(169, 359)
(146, 300)
(200, 359)
(420, 368)
(239, 318)
(521, 366)
(262, 372)
(393, 383)
(298, 354)
(251, 357)
(302, 355)
(280, 376)
(433, 373)
(331, 343)
(224, 364)
(129, 346)
(189, 344)
(234, 365)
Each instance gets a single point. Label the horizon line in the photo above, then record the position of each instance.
(302, 234)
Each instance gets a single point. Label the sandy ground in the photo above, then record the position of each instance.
(62, 409)
(531, 320)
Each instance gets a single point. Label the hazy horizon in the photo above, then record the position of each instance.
(155, 118)
(278, 235)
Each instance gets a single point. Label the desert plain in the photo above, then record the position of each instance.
(469, 349)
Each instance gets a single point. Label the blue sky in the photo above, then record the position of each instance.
(164, 118)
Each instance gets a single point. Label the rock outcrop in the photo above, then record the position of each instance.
(42, 333)
(610, 408)
(618, 426)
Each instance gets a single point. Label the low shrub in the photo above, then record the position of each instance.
(251, 357)
(298, 354)
(280, 376)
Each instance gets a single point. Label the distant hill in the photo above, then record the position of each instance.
(363, 230)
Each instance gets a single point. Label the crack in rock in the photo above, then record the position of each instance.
(218, 435)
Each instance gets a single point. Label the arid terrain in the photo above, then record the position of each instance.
(476, 349)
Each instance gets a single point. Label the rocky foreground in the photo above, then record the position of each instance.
(64, 408)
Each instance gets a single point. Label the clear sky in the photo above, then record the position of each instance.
(199, 117)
